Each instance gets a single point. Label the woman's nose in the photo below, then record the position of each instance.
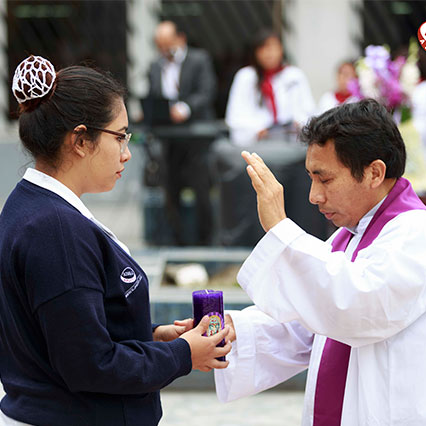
(126, 155)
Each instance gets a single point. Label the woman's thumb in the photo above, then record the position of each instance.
(203, 325)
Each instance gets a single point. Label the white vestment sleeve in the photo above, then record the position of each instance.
(264, 354)
(292, 275)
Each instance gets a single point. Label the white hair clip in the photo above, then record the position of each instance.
(31, 79)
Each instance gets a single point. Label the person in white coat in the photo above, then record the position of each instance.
(419, 101)
(268, 96)
(351, 308)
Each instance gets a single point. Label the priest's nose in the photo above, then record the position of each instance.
(316, 194)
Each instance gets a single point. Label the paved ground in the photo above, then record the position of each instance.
(203, 408)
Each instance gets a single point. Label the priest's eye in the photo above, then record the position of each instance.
(325, 181)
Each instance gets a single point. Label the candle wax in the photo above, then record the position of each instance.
(209, 302)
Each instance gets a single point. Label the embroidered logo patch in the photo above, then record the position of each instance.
(128, 275)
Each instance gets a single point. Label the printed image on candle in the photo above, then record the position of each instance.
(215, 324)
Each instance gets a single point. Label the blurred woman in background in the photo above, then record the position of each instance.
(268, 98)
(346, 73)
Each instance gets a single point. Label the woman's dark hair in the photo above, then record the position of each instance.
(259, 40)
(80, 95)
(362, 132)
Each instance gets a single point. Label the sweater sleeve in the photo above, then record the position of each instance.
(64, 260)
(81, 350)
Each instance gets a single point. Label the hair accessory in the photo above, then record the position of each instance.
(34, 78)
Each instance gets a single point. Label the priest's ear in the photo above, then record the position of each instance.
(376, 172)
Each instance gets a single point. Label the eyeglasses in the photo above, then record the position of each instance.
(124, 137)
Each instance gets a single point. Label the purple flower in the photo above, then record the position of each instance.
(391, 92)
(354, 88)
(377, 57)
(395, 66)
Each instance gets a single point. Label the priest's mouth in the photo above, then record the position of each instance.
(328, 215)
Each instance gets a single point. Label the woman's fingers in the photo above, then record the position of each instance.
(218, 337)
(218, 364)
(222, 351)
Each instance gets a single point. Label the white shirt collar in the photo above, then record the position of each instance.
(51, 184)
(180, 54)
(365, 220)
(178, 57)
(48, 182)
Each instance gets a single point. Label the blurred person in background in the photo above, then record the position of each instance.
(419, 102)
(345, 74)
(268, 98)
(77, 345)
(185, 76)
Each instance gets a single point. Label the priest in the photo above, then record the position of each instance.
(351, 309)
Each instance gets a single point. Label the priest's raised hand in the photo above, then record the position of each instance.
(270, 193)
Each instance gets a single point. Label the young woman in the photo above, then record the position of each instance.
(346, 73)
(268, 94)
(77, 346)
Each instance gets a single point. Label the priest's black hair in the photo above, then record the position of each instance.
(362, 132)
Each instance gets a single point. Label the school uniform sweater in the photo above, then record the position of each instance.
(76, 345)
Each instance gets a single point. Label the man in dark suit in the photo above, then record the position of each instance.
(185, 76)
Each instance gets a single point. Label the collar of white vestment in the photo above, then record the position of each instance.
(365, 220)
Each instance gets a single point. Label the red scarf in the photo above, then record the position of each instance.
(342, 96)
(268, 91)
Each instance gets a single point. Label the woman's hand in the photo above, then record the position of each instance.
(270, 193)
(166, 333)
(203, 349)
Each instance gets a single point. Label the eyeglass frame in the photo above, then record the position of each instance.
(125, 136)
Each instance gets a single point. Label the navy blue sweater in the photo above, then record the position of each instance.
(75, 329)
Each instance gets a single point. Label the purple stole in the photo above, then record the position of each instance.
(333, 369)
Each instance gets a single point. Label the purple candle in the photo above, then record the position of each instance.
(209, 302)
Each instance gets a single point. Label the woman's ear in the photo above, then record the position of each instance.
(377, 173)
(78, 140)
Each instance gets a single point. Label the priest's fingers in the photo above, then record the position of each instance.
(255, 161)
(228, 321)
(270, 193)
(256, 181)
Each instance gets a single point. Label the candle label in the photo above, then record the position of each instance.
(216, 323)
